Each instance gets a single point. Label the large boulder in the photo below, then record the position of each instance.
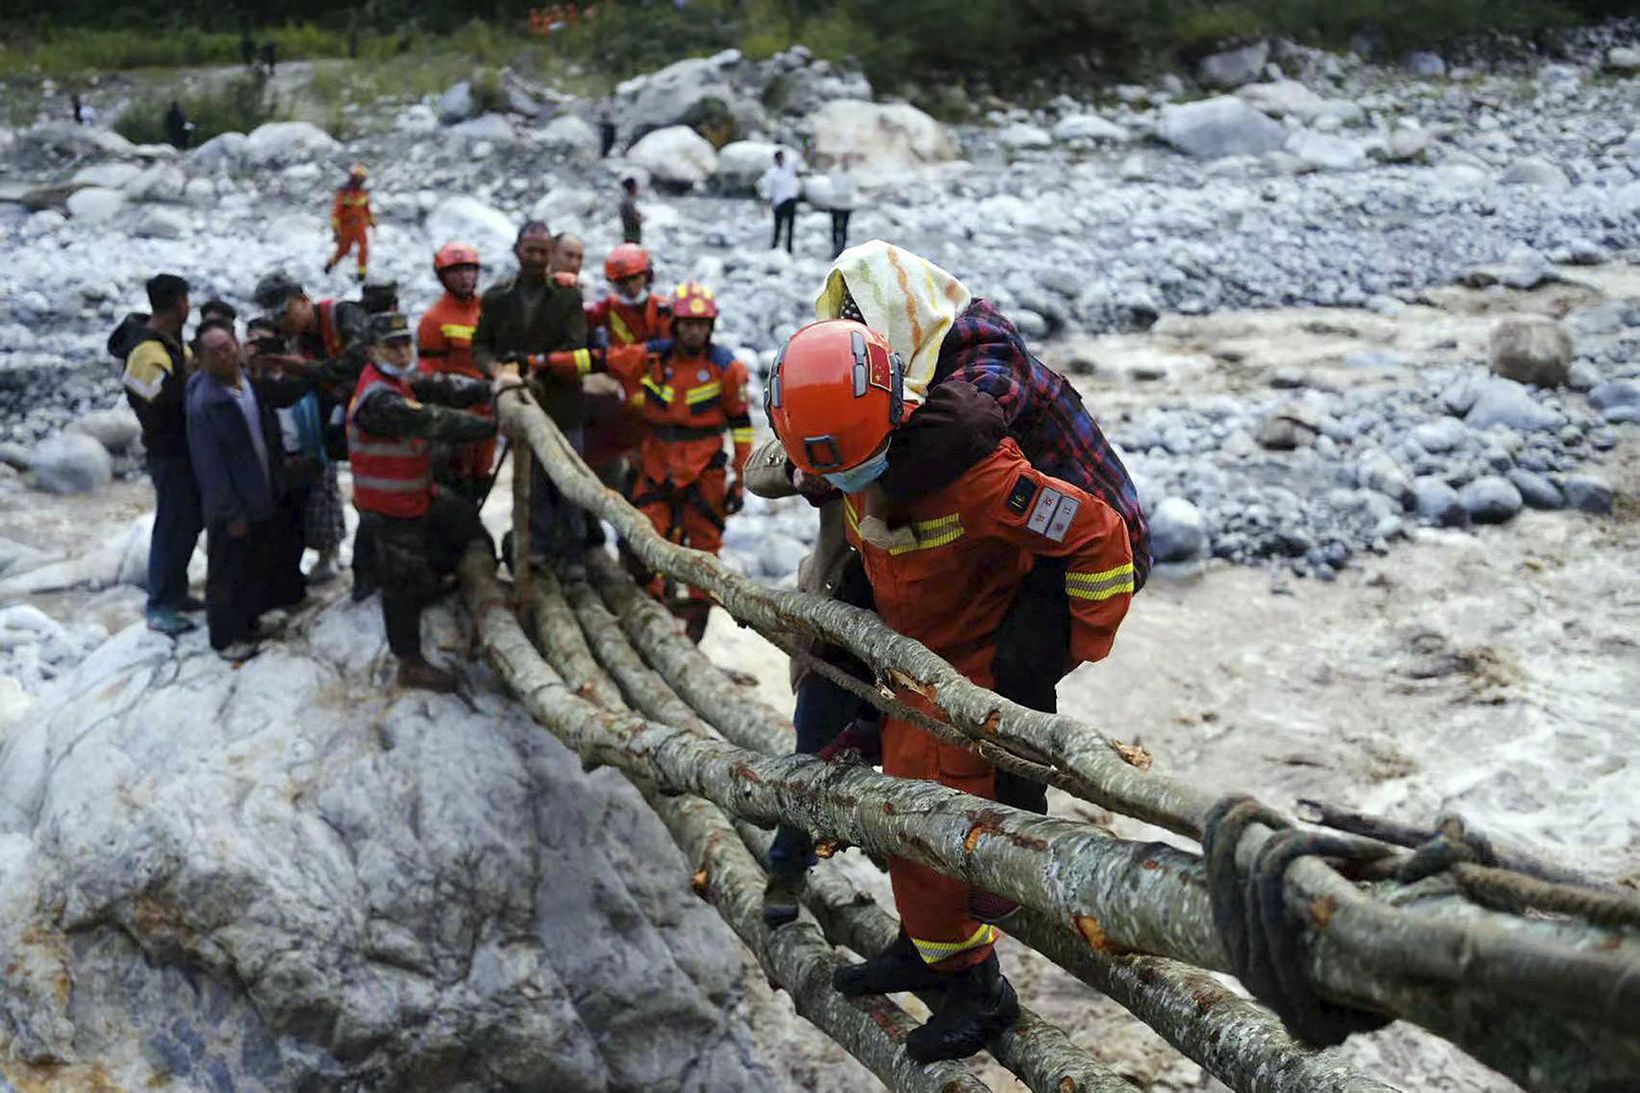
(884, 138)
(1536, 351)
(494, 128)
(117, 430)
(70, 463)
(94, 204)
(676, 156)
(1535, 171)
(1234, 67)
(332, 883)
(1326, 151)
(1281, 98)
(222, 151)
(1490, 499)
(160, 182)
(283, 142)
(1224, 126)
(1022, 136)
(571, 134)
(472, 221)
(67, 140)
(162, 222)
(1089, 129)
(1424, 63)
(1623, 59)
(457, 103)
(741, 163)
(1178, 531)
(1498, 401)
(1438, 503)
(111, 176)
(690, 92)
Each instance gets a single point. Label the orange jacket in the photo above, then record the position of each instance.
(955, 564)
(687, 403)
(444, 337)
(629, 324)
(351, 210)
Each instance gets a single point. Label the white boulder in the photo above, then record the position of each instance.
(282, 142)
(111, 176)
(95, 204)
(70, 463)
(1326, 151)
(222, 150)
(1223, 126)
(494, 128)
(117, 430)
(1234, 67)
(883, 138)
(571, 133)
(162, 222)
(741, 163)
(471, 221)
(676, 155)
(1020, 136)
(1090, 128)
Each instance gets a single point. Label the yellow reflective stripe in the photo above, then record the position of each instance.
(933, 533)
(456, 330)
(1101, 585)
(703, 392)
(741, 436)
(617, 327)
(848, 515)
(662, 393)
(933, 952)
(583, 361)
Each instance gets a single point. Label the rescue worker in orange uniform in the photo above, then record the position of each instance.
(444, 342)
(944, 568)
(692, 393)
(631, 314)
(418, 530)
(351, 220)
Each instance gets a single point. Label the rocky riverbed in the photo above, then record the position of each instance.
(1366, 336)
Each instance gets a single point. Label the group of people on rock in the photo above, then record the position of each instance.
(964, 494)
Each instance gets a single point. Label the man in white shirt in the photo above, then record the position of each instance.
(780, 187)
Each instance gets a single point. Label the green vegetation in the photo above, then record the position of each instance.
(240, 106)
(409, 48)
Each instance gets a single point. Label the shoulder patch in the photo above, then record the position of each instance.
(1020, 496)
(1052, 516)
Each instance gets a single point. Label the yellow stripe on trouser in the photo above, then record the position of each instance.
(933, 952)
(1101, 585)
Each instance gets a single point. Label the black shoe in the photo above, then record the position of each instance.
(979, 1004)
(190, 605)
(781, 896)
(897, 968)
(363, 590)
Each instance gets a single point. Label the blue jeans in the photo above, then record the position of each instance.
(178, 521)
(823, 710)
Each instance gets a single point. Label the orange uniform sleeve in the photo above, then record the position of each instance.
(626, 362)
(336, 212)
(598, 313)
(1006, 498)
(737, 409)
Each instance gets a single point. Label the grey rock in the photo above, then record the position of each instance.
(94, 204)
(1326, 151)
(1286, 430)
(286, 142)
(1425, 64)
(1501, 401)
(1225, 126)
(1178, 531)
(1602, 319)
(1535, 351)
(1438, 503)
(1536, 489)
(1491, 499)
(161, 222)
(1441, 435)
(741, 163)
(1089, 128)
(1623, 59)
(1587, 493)
(457, 104)
(117, 430)
(1535, 171)
(1377, 470)
(677, 156)
(1615, 393)
(1021, 136)
(1234, 67)
(71, 463)
(570, 132)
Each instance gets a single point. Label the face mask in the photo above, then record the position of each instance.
(858, 478)
(639, 297)
(392, 369)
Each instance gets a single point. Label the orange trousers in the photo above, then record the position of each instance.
(934, 908)
(691, 515)
(346, 239)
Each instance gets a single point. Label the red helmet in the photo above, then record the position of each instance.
(693, 300)
(455, 254)
(627, 260)
(834, 395)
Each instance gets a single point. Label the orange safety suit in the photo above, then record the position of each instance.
(617, 435)
(350, 222)
(444, 343)
(687, 404)
(946, 575)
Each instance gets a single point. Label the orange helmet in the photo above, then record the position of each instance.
(834, 395)
(627, 260)
(693, 300)
(455, 254)
(358, 170)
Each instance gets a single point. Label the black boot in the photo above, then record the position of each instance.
(979, 1004)
(896, 968)
(782, 895)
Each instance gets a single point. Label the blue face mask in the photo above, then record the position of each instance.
(858, 478)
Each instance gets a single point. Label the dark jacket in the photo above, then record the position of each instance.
(155, 395)
(340, 348)
(559, 323)
(232, 485)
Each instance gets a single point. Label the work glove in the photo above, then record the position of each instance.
(861, 742)
(736, 500)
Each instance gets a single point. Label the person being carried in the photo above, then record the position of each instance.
(444, 342)
(335, 336)
(945, 566)
(693, 392)
(418, 530)
(155, 377)
(351, 220)
(531, 315)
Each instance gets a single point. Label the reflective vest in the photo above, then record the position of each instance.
(392, 475)
(687, 404)
(328, 333)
